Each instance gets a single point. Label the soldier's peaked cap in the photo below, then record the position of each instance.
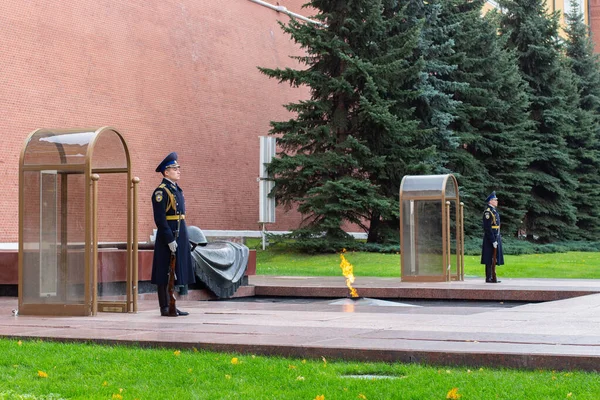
(491, 197)
(169, 160)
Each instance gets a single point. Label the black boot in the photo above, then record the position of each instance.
(488, 273)
(183, 290)
(163, 299)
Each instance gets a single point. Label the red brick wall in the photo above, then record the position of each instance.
(594, 18)
(169, 75)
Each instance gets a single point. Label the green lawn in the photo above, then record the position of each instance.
(573, 265)
(45, 370)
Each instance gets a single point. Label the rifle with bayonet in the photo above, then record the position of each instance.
(172, 275)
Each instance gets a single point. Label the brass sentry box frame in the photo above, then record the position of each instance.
(74, 185)
(431, 229)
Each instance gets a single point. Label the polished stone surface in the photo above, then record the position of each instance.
(560, 334)
(384, 288)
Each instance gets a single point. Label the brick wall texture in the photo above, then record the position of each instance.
(169, 75)
(594, 22)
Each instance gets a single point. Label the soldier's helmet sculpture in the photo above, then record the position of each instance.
(220, 265)
(196, 236)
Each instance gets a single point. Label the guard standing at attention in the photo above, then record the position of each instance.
(492, 240)
(171, 236)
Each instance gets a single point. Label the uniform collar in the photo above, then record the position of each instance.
(489, 205)
(169, 182)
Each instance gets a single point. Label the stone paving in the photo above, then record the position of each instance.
(560, 334)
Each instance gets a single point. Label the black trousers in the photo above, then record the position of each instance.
(163, 296)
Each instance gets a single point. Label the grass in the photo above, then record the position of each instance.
(46, 370)
(570, 265)
(365, 264)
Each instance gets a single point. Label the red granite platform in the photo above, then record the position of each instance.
(533, 290)
(560, 334)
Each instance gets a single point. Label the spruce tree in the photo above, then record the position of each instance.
(491, 118)
(435, 105)
(585, 145)
(533, 34)
(426, 100)
(345, 144)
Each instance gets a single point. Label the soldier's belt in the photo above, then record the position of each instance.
(175, 217)
(493, 226)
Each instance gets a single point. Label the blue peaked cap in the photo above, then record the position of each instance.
(491, 197)
(169, 160)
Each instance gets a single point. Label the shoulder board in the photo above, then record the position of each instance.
(162, 186)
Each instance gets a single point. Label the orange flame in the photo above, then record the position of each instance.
(347, 271)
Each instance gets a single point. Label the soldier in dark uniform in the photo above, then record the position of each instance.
(492, 240)
(169, 207)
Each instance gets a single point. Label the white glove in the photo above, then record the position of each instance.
(173, 246)
(495, 244)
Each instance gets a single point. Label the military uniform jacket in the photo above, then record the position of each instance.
(167, 201)
(491, 234)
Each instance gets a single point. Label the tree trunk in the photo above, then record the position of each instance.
(374, 226)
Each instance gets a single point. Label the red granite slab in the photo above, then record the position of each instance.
(561, 334)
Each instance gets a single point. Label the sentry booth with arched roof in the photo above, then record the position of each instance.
(76, 190)
(431, 229)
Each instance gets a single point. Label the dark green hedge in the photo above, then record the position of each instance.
(472, 246)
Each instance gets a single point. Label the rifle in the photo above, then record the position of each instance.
(172, 275)
(494, 255)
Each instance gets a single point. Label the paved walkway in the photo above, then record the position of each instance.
(559, 334)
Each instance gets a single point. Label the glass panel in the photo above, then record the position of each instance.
(53, 238)
(425, 185)
(408, 251)
(74, 218)
(31, 237)
(57, 148)
(48, 234)
(112, 237)
(109, 151)
(569, 10)
(422, 237)
(450, 188)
